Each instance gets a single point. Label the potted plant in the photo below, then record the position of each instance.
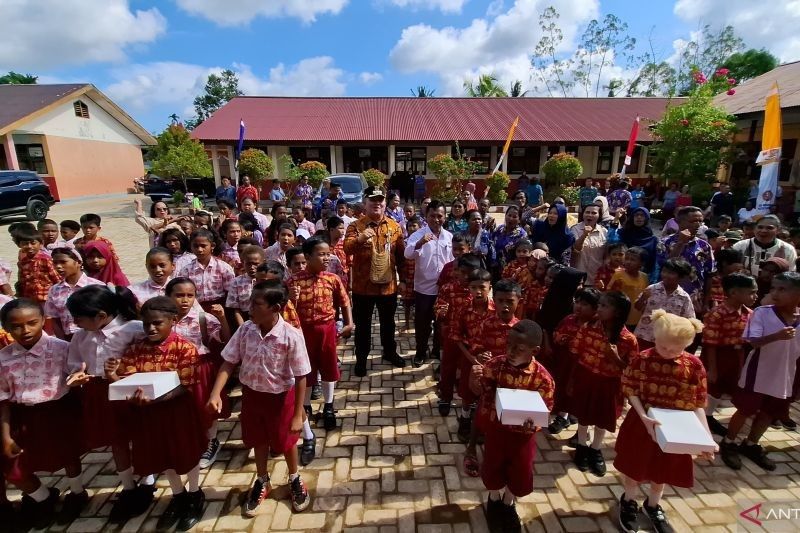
(256, 164)
(374, 177)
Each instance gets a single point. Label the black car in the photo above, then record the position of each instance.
(158, 188)
(23, 192)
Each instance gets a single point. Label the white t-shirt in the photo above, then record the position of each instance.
(770, 369)
(754, 254)
(745, 214)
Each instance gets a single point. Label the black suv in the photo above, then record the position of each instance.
(23, 192)
(159, 189)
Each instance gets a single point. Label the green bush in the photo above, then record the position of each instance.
(497, 184)
(256, 164)
(560, 169)
(374, 177)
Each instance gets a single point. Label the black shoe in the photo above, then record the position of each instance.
(789, 424)
(511, 522)
(360, 370)
(418, 361)
(494, 514)
(444, 407)
(729, 451)
(328, 418)
(308, 450)
(210, 455)
(597, 464)
(657, 518)
(776, 424)
(40, 515)
(582, 457)
(300, 497)
(757, 454)
(572, 419)
(9, 516)
(716, 427)
(628, 515)
(572, 442)
(558, 425)
(176, 509)
(395, 360)
(316, 392)
(309, 412)
(72, 507)
(464, 428)
(258, 492)
(123, 507)
(193, 511)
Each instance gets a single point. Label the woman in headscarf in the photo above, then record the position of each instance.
(553, 232)
(637, 232)
(101, 264)
(506, 236)
(606, 218)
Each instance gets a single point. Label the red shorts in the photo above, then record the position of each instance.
(750, 403)
(729, 367)
(266, 419)
(464, 390)
(451, 361)
(321, 347)
(508, 460)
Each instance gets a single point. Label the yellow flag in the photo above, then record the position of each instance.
(771, 137)
(510, 135)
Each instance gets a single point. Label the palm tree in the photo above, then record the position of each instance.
(423, 92)
(516, 90)
(486, 86)
(174, 118)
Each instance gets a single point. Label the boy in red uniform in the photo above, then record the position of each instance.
(90, 225)
(724, 349)
(36, 271)
(451, 301)
(274, 364)
(320, 294)
(460, 247)
(406, 286)
(532, 282)
(728, 261)
(615, 255)
(522, 251)
(510, 450)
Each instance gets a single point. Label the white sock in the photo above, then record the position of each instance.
(327, 391)
(75, 484)
(175, 482)
(212, 431)
(149, 479)
(126, 478)
(711, 405)
(464, 413)
(565, 416)
(583, 434)
(307, 398)
(193, 479)
(494, 495)
(307, 433)
(40, 494)
(508, 497)
(294, 476)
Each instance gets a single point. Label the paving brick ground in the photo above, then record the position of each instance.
(395, 465)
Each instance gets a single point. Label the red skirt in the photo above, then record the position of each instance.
(49, 434)
(561, 364)
(104, 421)
(321, 346)
(166, 435)
(640, 458)
(266, 419)
(595, 400)
(206, 372)
(729, 360)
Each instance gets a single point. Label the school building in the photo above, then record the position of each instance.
(72, 135)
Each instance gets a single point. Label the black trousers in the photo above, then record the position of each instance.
(424, 324)
(363, 305)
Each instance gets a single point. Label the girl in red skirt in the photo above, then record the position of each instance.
(604, 347)
(166, 433)
(208, 332)
(106, 318)
(666, 377)
(38, 411)
(212, 276)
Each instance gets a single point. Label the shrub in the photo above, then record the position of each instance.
(315, 171)
(497, 184)
(374, 177)
(561, 168)
(256, 164)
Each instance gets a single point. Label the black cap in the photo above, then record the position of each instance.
(374, 192)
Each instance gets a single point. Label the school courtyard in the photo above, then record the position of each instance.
(394, 465)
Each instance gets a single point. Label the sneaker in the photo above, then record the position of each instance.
(210, 455)
(789, 424)
(360, 369)
(464, 428)
(444, 407)
(193, 511)
(729, 451)
(716, 427)
(597, 464)
(657, 518)
(628, 515)
(494, 514)
(511, 522)
(582, 457)
(72, 507)
(328, 418)
(176, 509)
(395, 360)
(558, 424)
(308, 450)
(300, 497)
(572, 442)
(258, 492)
(757, 454)
(40, 515)
(316, 391)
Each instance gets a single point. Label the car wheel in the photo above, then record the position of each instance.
(37, 209)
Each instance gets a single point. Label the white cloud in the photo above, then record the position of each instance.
(368, 78)
(243, 11)
(501, 46)
(172, 84)
(445, 6)
(771, 24)
(40, 35)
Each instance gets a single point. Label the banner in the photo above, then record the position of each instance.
(631, 146)
(770, 156)
(506, 146)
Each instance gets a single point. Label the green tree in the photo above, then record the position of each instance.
(561, 169)
(603, 44)
(705, 55)
(486, 86)
(219, 90)
(749, 64)
(177, 155)
(256, 164)
(423, 92)
(15, 78)
(553, 72)
(516, 90)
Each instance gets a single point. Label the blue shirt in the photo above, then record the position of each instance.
(226, 193)
(636, 197)
(276, 195)
(534, 192)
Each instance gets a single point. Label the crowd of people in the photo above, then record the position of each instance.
(592, 315)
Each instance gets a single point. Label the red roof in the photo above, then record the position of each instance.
(279, 120)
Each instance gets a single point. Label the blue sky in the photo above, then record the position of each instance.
(152, 57)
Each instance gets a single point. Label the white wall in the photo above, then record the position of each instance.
(100, 126)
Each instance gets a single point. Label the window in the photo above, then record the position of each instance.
(571, 149)
(31, 157)
(523, 159)
(359, 159)
(787, 156)
(411, 160)
(604, 157)
(633, 168)
(551, 151)
(81, 109)
(301, 154)
(477, 154)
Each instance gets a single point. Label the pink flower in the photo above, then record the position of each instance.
(722, 72)
(731, 92)
(685, 122)
(731, 81)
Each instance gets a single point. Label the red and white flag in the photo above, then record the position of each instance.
(632, 142)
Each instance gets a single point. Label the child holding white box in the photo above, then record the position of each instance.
(669, 378)
(509, 450)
